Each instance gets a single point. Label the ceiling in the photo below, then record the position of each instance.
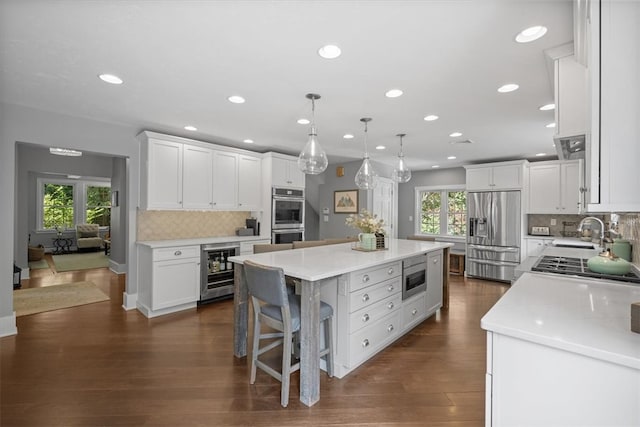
(181, 60)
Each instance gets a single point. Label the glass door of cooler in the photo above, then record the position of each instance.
(217, 273)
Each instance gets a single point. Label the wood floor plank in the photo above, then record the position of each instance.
(100, 365)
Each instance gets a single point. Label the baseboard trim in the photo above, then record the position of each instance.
(8, 325)
(129, 301)
(117, 268)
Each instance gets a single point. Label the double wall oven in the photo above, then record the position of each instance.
(287, 215)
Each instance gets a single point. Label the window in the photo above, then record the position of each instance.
(63, 203)
(57, 206)
(441, 211)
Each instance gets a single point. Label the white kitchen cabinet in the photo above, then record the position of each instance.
(225, 180)
(613, 150)
(535, 246)
(554, 187)
(169, 279)
(286, 173)
(434, 281)
(249, 183)
(571, 90)
(368, 313)
(197, 177)
(162, 175)
(495, 176)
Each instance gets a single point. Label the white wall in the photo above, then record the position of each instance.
(23, 124)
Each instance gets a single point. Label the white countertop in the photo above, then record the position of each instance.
(585, 316)
(321, 262)
(199, 241)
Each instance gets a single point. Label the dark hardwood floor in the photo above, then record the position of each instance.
(98, 365)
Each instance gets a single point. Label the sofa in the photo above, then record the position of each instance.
(88, 237)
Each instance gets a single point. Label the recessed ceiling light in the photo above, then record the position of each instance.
(236, 99)
(551, 125)
(435, 166)
(454, 134)
(540, 154)
(451, 158)
(329, 51)
(191, 128)
(547, 107)
(393, 93)
(510, 87)
(111, 78)
(303, 121)
(530, 34)
(248, 141)
(431, 118)
(380, 147)
(348, 136)
(64, 152)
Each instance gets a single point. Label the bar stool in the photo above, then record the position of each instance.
(276, 308)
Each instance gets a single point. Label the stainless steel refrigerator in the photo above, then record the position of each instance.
(493, 234)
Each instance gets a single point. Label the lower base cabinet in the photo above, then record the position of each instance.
(169, 279)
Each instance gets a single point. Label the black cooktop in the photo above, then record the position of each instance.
(578, 267)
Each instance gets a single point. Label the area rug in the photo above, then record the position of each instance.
(38, 265)
(72, 262)
(38, 300)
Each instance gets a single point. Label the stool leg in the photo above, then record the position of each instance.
(286, 367)
(255, 349)
(328, 341)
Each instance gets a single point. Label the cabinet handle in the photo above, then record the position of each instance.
(365, 343)
(177, 253)
(390, 328)
(365, 278)
(365, 317)
(390, 271)
(414, 311)
(365, 297)
(390, 288)
(390, 305)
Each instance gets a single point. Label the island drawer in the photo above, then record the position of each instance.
(414, 310)
(374, 312)
(176, 252)
(372, 294)
(368, 340)
(370, 276)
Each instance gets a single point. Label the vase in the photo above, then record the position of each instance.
(367, 241)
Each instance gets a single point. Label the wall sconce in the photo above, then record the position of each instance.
(339, 171)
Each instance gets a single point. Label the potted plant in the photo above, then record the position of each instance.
(372, 233)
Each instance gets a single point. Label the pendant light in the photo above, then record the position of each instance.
(401, 173)
(312, 159)
(366, 178)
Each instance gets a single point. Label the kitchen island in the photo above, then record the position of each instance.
(560, 351)
(339, 273)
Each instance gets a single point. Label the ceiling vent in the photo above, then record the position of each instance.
(465, 141)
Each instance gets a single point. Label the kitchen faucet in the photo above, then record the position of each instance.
(581, 226)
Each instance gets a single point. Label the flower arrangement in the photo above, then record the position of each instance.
(366, 222)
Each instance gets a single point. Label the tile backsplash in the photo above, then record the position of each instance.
(167, 225)
(566, 225)
(629, 228)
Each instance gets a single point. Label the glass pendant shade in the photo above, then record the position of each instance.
(313, 159)
(366, 178)
(401, 173)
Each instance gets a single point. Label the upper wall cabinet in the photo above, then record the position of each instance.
(182, 174)
(555, 187)
(285, 171)
(495, 176)
(613, 151)
(570, 88)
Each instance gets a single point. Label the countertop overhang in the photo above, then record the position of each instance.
(321, 262)
(154, 244)
(585, 316)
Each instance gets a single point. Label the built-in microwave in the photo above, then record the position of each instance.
(287, 208)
